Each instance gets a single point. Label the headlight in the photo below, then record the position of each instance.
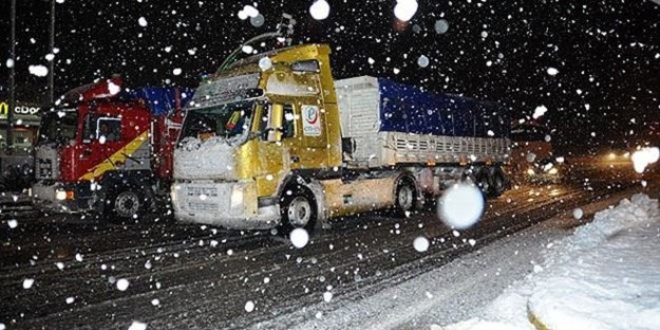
(236, 200)
(173, 192)
(61, 195)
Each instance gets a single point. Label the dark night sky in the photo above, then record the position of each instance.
(607, 52)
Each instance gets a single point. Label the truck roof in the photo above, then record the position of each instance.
(160, 100)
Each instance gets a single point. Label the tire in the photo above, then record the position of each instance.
(298, 210)
(469, 177)
(406, 197)
(498, 182)
(127, 204)
(483, 180)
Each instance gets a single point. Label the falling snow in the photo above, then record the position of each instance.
(319, 10)
(299, 237)
(137, 325)
(461, 206)
(38, 70)
(122, 284)
(423, 61)
(578, 213)
(421, 244)
(404, 10)
(27, 283)
(539, 111)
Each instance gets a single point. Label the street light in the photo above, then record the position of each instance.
(51, 46)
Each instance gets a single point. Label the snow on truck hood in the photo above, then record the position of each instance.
(211, 159)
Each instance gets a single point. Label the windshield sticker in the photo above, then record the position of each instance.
(311, 120)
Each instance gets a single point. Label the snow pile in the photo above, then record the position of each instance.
(605, 276)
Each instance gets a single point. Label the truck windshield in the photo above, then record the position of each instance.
(229, 122)
(58, 126)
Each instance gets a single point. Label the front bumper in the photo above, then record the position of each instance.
(539, 175)
(77, 197)
(232, 205)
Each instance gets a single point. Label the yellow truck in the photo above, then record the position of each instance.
(273, 139)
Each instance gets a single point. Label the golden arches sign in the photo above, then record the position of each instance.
(4, 108)
(25, 111)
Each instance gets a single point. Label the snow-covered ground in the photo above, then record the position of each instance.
(602, 275)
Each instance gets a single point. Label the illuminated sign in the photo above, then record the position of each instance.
(24, 110)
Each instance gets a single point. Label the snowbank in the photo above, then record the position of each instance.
(605, 276)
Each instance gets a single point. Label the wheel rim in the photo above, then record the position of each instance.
(299, 212)
(405, 197)
(127, 204)
(498, 183)
(484, 182)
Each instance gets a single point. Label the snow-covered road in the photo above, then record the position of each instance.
(364, 272)
(470, 288)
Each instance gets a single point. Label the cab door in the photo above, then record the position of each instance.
(102, 138)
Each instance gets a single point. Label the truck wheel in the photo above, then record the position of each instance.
(127, 204)
(298, 210)
(405, 196)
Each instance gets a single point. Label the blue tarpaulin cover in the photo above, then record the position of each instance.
(409, 109)
(161, 100)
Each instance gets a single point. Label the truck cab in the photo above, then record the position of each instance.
(106, 149)
(532, 156)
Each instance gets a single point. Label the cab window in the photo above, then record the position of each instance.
(278, 122)
(108, 128)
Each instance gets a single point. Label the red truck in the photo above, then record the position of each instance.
(108, 149)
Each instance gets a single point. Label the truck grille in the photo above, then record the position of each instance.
(45, 169)
(202, 191)
(202, 207)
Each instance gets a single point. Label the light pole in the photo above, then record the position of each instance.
(12, 75)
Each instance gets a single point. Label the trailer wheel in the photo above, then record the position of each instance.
(406, 196)
(484, 180)
(298, 210)
(469, 177)
(498, 182)
(127, 204)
